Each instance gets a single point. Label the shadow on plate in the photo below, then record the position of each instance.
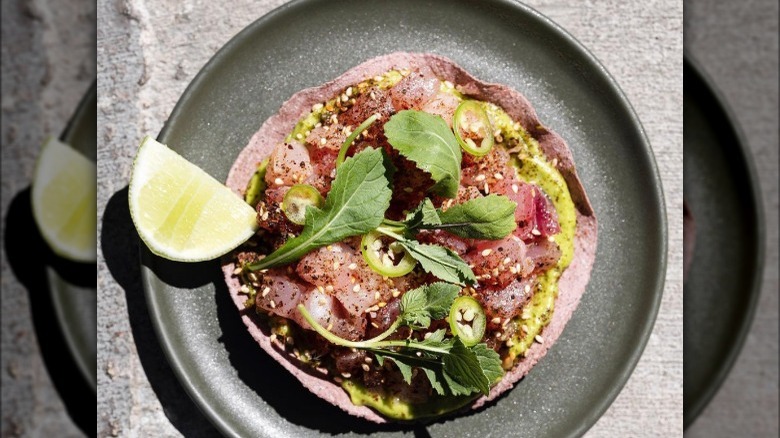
(23, 239)
(277, 387)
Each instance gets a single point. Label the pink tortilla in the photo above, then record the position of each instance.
(275, 129)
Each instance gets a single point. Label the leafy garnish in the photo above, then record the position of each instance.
(451, 367)
(355, 205)
(428, 141)
(424, 216)
(440, 261)
(419, 306)
(489, 218)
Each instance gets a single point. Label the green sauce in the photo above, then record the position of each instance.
(533, 167)
(393, 407)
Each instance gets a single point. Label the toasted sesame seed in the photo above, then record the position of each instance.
(237, 270)
(329, 288)
(344, 98)
(330, 326)
(498, 176)
(375, 325)
(356, 288)
(272, 338)
(349, 92)
(368, 359)
(539, 339)
(290, 340)
(527, 288)
(419, 354)
(524, 328)
(377, 78)
(536, 232)
(480, 177)
(278, 181)
(381, 304)
(320, 288)
(555, 162)
(498, 334)
(377, 296)
(449, 84)
(513, 270)
(338, 379)
(273, 304)
(509, 343)
(486, 252)
(494, 272)
(264, 216)
(299, 136)
(408, 189)
(346, 375)
(244, 288)
(515, 188)
(323, 141)
(551, 238)
(336, 265)
(506, 261)
(365, 367)
(317, 107)
(487, 189)
(352, 266)
(496, 320)
(396, 293)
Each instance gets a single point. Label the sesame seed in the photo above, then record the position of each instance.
(336, 265)
(253, 276)
(524, 328)
(273, 337)
(498, 176)
(330, 326)
(349, 91)
(496, 320)
(555, 162)
(329, 288)
(449, 84)
(527, 288)
(495, 272)
(539, 339)
(278, 181)
(273, 304)
(264, 216)
(381, 304)
(317, 107)
(377, 296)
(299, 136)
(396, 293)
(320, 288)
(509, 343)
(365, 367)
(498, 334)
(346, 375)
(550, 238)
(536, 232)
(513, 270)
(338, 379)
(506, 261)
(237, 270)
(352, 266)
(486, 252)
(323, 141)
(290, 340)
(487, 189)
(480, 177)
(368, 359)
(515, 188)
(375, 325)
(356, 288)
(408, 189)
(344, 98)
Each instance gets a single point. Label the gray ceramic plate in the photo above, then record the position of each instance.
(76, 306)
(309, 42)
(725, 275)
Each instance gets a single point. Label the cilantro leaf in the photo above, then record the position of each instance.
(440, 261)
(355, 205)
(426, 140)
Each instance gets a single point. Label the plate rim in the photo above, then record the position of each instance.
(82, 363)
(742, 146)
(572, 43)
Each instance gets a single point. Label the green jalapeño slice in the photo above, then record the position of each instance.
(472, 128)
(387, 259)
(467, 320)
(297, 199)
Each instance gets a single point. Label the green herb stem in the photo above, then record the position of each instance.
(348, 142)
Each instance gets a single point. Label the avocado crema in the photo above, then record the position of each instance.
(532, 167)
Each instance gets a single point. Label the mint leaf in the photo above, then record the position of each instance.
(440, 261)
(433, 301)
(463, 366)
(355, 205)
(428, 141)
(436, 379)
(488, 218)
(489, 361)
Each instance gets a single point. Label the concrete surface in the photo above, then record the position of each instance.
(148, 51)
(736, 43)
(47, 65)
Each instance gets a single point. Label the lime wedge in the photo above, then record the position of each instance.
(180, 211)
(64, 192)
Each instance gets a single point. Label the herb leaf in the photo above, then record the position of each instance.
(440, 261)
(490, 218)
(428, 141)
(424, 216)
(433, 301)
(355, 205)
(489, 361)
(462, 364)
